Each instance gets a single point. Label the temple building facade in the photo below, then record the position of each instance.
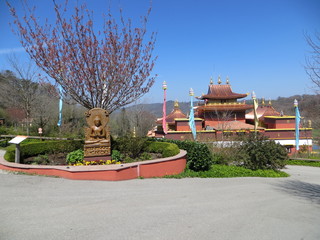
(221, 115)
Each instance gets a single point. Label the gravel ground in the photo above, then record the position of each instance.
(36, 207)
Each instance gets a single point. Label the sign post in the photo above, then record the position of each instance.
(17, 140)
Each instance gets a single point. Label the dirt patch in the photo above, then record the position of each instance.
(49, 159)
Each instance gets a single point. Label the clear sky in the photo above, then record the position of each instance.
(260, 45)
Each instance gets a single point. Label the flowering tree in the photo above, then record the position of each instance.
(107, 69)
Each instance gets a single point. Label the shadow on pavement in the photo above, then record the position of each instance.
(305, 190)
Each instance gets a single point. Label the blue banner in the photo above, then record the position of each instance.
(60, 106)
(191, 120)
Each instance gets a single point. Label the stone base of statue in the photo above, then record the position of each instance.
(97, 144)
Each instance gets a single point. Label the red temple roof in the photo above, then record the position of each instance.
(175, 113)
(219, 91)
(263, 111)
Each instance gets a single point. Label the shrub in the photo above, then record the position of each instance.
(116, 155)
(41, 160)
(130, 146)
(75, 157)
(45, 147)
(257, 152)
(165, 148)
(199, 155)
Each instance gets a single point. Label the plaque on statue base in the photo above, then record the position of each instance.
(97, 144)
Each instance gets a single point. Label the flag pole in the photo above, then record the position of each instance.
(296, 106)
(164, 109)
(255, 107)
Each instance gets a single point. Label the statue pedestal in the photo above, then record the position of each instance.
(97, 152)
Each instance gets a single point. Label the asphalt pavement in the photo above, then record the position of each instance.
(37, 207)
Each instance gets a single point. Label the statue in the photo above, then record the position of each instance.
(97, 135)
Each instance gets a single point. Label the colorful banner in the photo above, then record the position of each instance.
(255, 107)
(298, 117)
(164, 110)
(60, 106)
(191, 117)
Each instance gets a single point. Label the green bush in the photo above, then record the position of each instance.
(45, 147)
(165, 148)
(130, 146)
(76, 156)
(199, 155)
(257, 152)
(116, 155)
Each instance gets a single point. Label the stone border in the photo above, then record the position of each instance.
(145, 169)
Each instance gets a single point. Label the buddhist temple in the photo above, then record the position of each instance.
(220, 114)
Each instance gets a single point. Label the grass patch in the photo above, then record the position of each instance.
(303, 163)
(223, 171)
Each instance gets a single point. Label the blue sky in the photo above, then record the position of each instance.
(260, 45)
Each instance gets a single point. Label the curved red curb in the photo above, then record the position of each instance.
(146, 169)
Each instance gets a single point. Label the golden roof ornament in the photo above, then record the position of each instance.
(270, 102)
(176, 104)
(227, 82)
(263, 103)
(211, 81)
(219, 80)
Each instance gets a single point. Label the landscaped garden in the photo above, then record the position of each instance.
(255, 157)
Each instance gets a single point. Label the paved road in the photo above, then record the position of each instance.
(33, 207)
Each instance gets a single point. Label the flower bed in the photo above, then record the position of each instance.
(145, 169)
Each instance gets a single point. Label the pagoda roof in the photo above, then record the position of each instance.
(221, 91)
(263, 111)
(224, 107)
(175, 113)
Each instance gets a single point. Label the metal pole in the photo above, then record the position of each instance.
(17, 159)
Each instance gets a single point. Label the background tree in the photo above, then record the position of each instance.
(108, 69)
(313, 61)
(19, 88)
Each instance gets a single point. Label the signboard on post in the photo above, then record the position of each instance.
(17, 140)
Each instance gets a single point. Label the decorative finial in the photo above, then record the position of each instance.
(263, 103)
(270, 102)
(219, 80)
(176, 104)
(281, 113)
(164, 85)
(227, 82)
(211, 81)
(191, 92)
(295, 103)
(253, 94)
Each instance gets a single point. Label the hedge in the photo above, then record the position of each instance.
(37, 148)
(199, 157)
(165, 148)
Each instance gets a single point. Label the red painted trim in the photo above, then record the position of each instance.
(147, 169)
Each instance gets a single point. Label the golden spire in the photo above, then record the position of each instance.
(263, 103)
(219, 80)
(227, 82)
(176, 104)
(270, 102)
(211, 81)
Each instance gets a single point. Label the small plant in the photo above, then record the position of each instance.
(40, 160)
(75, 157)
(145, 156)
(116, 155)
